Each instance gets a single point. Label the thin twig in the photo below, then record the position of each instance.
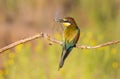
(54, 41)
(98, 46)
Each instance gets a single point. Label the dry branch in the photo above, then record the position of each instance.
(54, 41)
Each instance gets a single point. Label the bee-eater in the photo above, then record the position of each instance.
(70, 37)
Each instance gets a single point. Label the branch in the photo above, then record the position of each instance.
(41, 35)
(54, 41)
(98, 46)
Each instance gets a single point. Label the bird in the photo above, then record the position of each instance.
(71, 35)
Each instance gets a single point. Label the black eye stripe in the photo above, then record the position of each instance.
(67, 21)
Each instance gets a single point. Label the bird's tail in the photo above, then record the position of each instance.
(64, 55)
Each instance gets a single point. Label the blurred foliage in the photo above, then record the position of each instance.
(99, 21)
(41, 61)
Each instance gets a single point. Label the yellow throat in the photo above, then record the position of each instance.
(66, 24)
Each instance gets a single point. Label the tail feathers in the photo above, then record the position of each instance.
(63, 57)
(61, 64)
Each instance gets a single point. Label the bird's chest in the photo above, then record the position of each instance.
(69, 33)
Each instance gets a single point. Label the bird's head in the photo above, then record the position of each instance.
(67, 21)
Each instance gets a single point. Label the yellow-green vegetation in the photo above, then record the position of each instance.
(41, 61)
